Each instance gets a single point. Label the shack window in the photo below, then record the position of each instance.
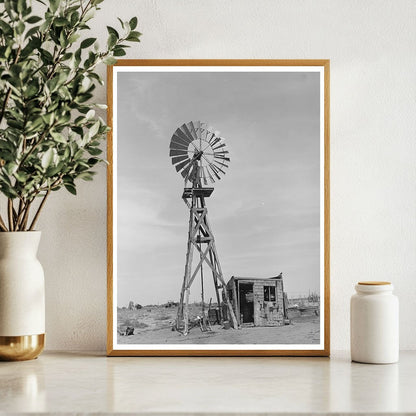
(269, 293)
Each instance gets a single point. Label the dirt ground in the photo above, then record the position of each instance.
(152, 325)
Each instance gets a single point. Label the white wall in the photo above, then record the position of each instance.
(371, 45)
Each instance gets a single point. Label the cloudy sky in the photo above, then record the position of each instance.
(264, 212)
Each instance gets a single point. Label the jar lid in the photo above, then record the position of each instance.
(372, 287)
(374, 283)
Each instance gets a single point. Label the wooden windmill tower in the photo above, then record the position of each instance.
(199, 154)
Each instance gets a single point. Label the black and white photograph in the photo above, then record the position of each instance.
(218, 222)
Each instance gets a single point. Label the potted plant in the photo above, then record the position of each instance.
(50, 136)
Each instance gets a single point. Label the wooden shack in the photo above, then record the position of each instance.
(258, 301)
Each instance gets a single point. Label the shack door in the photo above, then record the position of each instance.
(246, 302)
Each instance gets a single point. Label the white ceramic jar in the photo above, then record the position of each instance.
(374, 323)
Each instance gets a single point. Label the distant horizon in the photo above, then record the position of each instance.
(293, 295)
(265, 212)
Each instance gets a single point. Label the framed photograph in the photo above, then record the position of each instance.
(218, 208)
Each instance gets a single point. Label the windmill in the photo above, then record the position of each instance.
(200, 156)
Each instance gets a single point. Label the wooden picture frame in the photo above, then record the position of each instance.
(303, 78)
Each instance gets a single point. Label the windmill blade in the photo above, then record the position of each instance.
(221, 157)
(179, 133)
(219, 168)
(192, 129)
(214, 171)
(180, 150)
(187, 132)
(203, 131)
(178, 142)
(216, 140)
(221, 152)
(218, 147)
(178, 159)
(193, 172)
(182, 165)
(185, 171)
(197, 126)
(220, 163)
(210, 136)
(174, 146)
(176, 152)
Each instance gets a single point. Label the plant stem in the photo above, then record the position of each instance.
(26, 216)
(17, 217)
(38, 211)
(2, 224)
(20, 213)
(10, 213)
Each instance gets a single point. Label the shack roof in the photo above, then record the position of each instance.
(280, 276)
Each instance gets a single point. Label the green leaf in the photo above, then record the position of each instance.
(67, 153)
(35, 125)
(10, 8)
(87, 42)
(70, 188)
(21, 176)
(54, 4)
(119, 51)
(90, 114)
(10, 168)
(110, 60)
(33, 19)
(88, 16)
(86, 176)
(121, 22)
(74, 18)
(48, 118)
(78, 154)
(31, 90)
(134, 36)
(52, 171)
(47, 158)
(5, 27)
(94, 129)
(21, 5)
(94, 151)
(133, 23)
(112, 40)
(111, 30)
(61, 21)
(60, 138)
(32, 31)
(20, 28)
(8, 191)
(73, 38)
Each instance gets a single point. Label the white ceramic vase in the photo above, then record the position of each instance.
(374, 323)
(22, 296)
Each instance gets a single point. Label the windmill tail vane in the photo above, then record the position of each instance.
(200, 155)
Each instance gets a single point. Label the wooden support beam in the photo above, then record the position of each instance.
(203, 257)
(236, 302)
